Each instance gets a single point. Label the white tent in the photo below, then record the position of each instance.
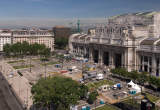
(137, 88)
(74, 67)
(131, 83)
(134, 86)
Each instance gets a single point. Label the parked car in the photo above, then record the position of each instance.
(100, 76)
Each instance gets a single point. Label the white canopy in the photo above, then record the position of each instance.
(134, 86)
(131, 83)
(74, 67)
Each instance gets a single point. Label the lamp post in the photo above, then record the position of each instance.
(30, 63)
(45, 69)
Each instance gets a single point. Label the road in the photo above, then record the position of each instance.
(8, 101)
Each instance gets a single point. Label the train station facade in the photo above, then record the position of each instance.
(131, 41)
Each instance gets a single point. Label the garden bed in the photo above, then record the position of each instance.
(15, 61)
(23, 66)
(49, 63)
(95, 85)
(152, 98)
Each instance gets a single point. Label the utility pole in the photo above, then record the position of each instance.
(27, 96)
(45, 68)
(30, 63)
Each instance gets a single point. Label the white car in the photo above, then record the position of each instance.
(100, 76)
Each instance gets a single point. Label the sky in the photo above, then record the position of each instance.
(52, 12)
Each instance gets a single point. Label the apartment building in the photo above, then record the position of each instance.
(40, 36)
(32, 36)
(5, 38)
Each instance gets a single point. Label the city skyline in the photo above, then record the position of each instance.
(55, 12)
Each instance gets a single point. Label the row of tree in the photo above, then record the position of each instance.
(141, 78)
(23, 49)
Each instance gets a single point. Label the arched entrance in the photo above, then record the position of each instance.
(118, 60)
(106, 58)
(95, 56)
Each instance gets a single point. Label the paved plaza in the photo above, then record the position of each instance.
(22, 84)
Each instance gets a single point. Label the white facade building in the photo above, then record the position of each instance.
(5, 37)
(131, 41)
(31, 36)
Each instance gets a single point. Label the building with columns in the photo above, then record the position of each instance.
(131, 41)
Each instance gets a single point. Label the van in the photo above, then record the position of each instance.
(100, 76)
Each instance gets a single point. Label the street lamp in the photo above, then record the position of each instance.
(45, 69)
(30, 63)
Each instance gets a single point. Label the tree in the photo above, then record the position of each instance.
(25, 48)
(58, 91)
(46, 52)
(92, 97)
(7, 49)
(61, 42)
(83, 91)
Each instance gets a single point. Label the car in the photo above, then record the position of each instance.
(100, 76)
(81, 81)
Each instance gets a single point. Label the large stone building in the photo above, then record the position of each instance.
(130, 40)
(31, 36)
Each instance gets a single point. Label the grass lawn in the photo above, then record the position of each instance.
(49, 63)
(22, 66)
(152, 97)
(16, 61)
(107, 107)
(132, 102)
(95, 85)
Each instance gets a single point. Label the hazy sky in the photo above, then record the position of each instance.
(36, 12)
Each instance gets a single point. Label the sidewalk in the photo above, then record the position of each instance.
(19, 83)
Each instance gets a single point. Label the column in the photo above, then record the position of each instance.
(142, 63)
(100, 57)
(123, 60)
(78, 51)
(154, 65)
(148, 64)
(90, 54)
(85, 52)
(111, 64)
(138, 60)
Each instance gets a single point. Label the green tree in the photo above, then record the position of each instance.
(25, 48)
(59, 91)
(92, 97)
(83, 91)
(46, 53)
(16, 49)
(7, 49)
(61, 42)
(34, 49)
